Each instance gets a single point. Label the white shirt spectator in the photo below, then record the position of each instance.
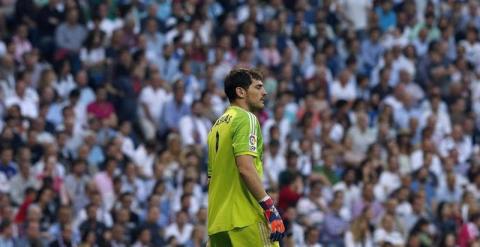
(472, 52)
(381, 235)
(393, 102)
(339, 92)
(403, 209)
(181, 235)
(154, 99)
(351, 193)
(337, 132)
(64, 86)
(3, 48)
(305, 164)
(144, 160)
(128, 148)
(108, 25)
(350, 241)
(18, 184)
(443, 125)
(401, 63)
(28, 103)
(421, 46)
(475, 90)
(273, 165)
(93, 56)
(58, 168)
(137, 187)
(194, 130)
(306, 206)
(452, 195)
(388, 182)
(464, 148)
(417, 162)
(283, 126)
(194, 204)
(361, 139)
(298, 234)
(4, 183)
(356, 11)
(415, 91)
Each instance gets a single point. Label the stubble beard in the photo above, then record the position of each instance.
(256, 106)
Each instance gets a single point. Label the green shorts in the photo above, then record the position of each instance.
(256, 235)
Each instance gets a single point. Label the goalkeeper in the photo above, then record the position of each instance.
(240, 213)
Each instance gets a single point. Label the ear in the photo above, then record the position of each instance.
(241, 93)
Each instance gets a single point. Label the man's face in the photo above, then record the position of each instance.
(7, 155)
(67, 232)
(33, 230)
(197, 109)
(256, 95)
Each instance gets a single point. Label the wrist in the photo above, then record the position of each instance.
(266, 202)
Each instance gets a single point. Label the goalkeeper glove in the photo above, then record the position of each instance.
(274, 220)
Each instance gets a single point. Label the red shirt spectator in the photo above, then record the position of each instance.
(290, 194)
(101, 108)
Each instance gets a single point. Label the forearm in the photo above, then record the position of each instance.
(253, 183)
(250, 177)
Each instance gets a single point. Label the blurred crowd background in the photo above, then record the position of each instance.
(370, 129)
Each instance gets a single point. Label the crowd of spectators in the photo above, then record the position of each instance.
(370, 129)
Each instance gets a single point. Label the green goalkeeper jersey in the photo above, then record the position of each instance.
(230, 203)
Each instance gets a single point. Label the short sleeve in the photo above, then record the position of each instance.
(245, 135)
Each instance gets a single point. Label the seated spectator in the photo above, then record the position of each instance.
(387, 234)
(101, 108)
(360, 233)
(334, 226)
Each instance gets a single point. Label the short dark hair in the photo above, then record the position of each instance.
(4, 224)
(240, 78)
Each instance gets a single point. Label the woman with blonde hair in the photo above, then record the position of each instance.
(360, 234)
